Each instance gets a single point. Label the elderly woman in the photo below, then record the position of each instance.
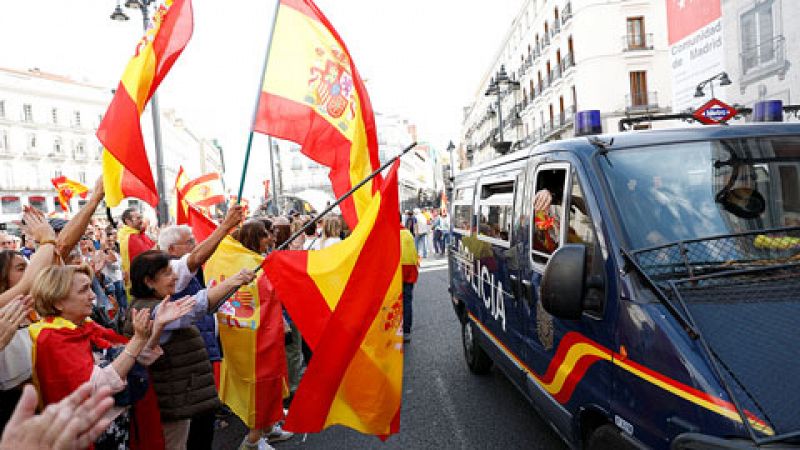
(64, 341)
(183, 378)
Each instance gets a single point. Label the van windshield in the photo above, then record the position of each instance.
(674, 192)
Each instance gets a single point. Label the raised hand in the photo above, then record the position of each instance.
(542, 200)
(11, 316)
(36, 225)
(73, 423)
(233, 218)
(169, 311)
(142, 323)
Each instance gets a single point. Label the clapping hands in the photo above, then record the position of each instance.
(169, 311)
(11, 316)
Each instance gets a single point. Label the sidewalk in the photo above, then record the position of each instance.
(433, 261)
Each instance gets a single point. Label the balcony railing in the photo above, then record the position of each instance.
(556, 28)
(637, 42)
(566, 13)
(555, 74)
(6, 153)
(566, 62)
(545, 41)
(641, 101)
(767, 57)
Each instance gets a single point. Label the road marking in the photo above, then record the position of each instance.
(450, 411)
(432, 269)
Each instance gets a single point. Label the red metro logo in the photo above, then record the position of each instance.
(714, 112)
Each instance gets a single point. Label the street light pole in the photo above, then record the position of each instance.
(162, 210)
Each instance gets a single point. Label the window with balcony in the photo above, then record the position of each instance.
(58, 146)
(27, 113)
(80, 149)
(76, 119)
(635, 38)
(54, 113)
(82, 176)
(2, 109)
(639, 97)
(763, 49)
(3, 141)
(31, 141)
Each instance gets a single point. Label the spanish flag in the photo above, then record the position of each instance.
(193, 199)
(126, 169)
(204, 191)
(253, 372)
(66, 189)
(313, 95)
(345, 300)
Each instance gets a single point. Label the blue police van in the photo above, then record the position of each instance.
(642, 289)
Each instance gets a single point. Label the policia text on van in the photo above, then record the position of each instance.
(643, 289)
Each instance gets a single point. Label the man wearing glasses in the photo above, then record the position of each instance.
(187, 259)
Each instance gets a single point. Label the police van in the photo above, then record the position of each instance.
(642, 290)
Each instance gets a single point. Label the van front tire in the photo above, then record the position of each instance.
(477, 360)
(608, 437)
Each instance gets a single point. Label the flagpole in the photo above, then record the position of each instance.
(329, 209)
(345, 195)
(258, 99)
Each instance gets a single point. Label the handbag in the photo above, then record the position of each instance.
(137, 380)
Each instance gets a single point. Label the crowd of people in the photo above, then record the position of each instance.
(116, 329)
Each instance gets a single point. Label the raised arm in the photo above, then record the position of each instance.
(36, 227)
(75, 228)
(220, 292)
(205, 249)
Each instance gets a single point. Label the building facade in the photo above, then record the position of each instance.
(298, 176)
(47, 129)
(758, 57)
(562, 56)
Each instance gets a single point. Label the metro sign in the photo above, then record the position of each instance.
(714, 112)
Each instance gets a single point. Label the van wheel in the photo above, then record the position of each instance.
(477, 359)
(608, 437)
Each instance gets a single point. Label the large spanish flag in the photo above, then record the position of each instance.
(253, 372)
(313, 95)
(345, 300)
(126, 169)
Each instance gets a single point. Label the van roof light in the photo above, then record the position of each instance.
(588, 122)
(768, 111)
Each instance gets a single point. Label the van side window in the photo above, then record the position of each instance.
(495, 213)
(548, 215)
(581, 229)
(462, 209)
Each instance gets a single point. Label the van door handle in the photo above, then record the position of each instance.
(527, 291)
(515, 291)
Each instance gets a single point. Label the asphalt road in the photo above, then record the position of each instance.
(445, 406)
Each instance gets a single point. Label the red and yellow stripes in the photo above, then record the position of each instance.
(576, 353)
(313, 95)
(126, 168)
(66, 189)
(253, 373)
(346, 301)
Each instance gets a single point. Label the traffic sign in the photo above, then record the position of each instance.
(714, 112)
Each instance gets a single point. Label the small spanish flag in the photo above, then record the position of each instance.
(126, 169)
(66, 189)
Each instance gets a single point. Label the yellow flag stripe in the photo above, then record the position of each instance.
(112, 179)
(330, 268)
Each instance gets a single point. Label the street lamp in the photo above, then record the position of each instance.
(119, 15)
(723, 81)
(501, 85)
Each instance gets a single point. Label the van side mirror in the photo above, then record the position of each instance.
(564, 282)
